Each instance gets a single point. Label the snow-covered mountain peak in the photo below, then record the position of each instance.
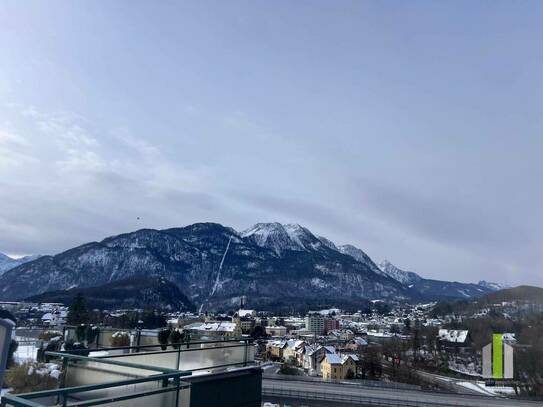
(404, 277)
(280, 238)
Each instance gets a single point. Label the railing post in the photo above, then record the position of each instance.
(178, 357)
(62, 383)
(138, 333)
(246, 348)
(177, 383)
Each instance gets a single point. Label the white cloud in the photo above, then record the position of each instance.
(79, 189)
(13, 151)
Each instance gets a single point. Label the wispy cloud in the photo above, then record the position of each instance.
(88, 178)
(14, 151)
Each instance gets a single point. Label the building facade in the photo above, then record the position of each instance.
(336, 367)
(314, 322)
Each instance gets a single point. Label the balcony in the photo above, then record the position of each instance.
(194, 374)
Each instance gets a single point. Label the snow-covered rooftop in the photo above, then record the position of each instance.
(453, 335)
(334, 359)
(214, 327)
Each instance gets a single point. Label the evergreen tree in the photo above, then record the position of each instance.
(258, 332)
(77, 312)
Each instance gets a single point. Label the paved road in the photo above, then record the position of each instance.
(369, 396)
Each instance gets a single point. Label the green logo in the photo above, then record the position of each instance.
(498, 359)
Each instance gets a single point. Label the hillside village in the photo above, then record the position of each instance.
(389, 343)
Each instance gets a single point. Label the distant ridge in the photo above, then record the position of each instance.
(7, 262)
(435, 289)
(520, 293)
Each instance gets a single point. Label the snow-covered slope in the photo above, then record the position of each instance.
(280, 238)
(360, 256)
(433, 289)
(492, 286)
(7, 263)
(404, 277)
(328, 243)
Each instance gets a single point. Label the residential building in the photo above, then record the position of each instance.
(455, 340)
(276, 330)
(291, 351)
(330, 324)
(314, 322)
(336, 367)
(246, 323)
(313, 356)
(276, 349)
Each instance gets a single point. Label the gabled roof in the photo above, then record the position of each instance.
(353, 357)
(213, 326)
(278, 343)
(246, 312)
(294, 343)
(311, 349)
(333, 359)
(360, 341)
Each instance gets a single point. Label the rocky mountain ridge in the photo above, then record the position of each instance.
(271, 265)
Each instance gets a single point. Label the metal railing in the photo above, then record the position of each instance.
(139, 375)
(187, 356)
(350, 382)
(349, 398)
(166, 381)
(405, 398)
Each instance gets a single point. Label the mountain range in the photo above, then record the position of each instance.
(7, 263)
(271, 265)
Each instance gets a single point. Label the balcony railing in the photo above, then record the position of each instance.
(185, 374)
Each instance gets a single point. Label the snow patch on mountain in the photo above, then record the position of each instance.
(360, 256)
(492, 286)
(328, 243)
(280, 238)
(7, 262)
(404, 277)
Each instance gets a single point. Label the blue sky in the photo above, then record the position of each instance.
(410, 129)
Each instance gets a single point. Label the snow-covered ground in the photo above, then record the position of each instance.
(488, 390)
(98, 353)
(25, 353)
(470, 369)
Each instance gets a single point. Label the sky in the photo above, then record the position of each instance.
(412, 130)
